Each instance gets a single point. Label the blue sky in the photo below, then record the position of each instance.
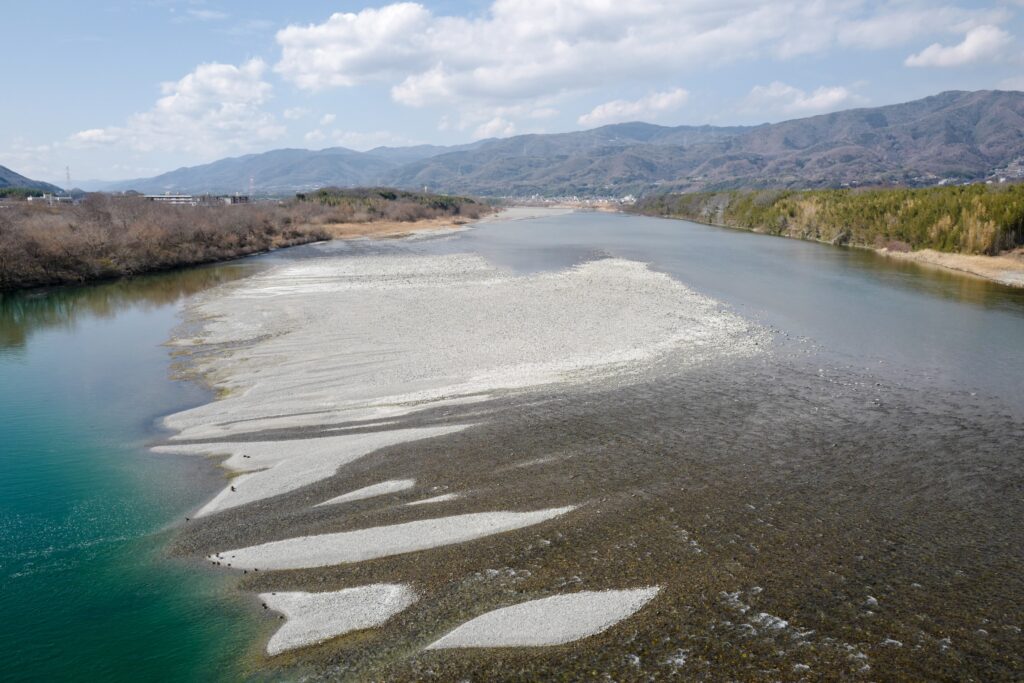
(129, 88)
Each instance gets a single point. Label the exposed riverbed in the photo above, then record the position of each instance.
(558, 445)
(777, 460)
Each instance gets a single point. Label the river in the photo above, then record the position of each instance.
(86, 512)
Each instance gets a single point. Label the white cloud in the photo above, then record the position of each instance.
(908, 21)
(787, 99)
(295, 113)
(520, 50)
(94, 136)
(648, 107)
(983, 43)
(36, 161)
(490, 120)
(497, 127)
(327, 119)
(315, 136)
(350, 48)
(215, 108)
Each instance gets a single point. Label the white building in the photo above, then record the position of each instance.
(183, 199)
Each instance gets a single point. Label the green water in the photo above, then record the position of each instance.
(86, 589)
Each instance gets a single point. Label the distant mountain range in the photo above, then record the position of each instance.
(9, 178)
(954, 135)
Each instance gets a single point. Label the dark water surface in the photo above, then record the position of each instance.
(863, 487)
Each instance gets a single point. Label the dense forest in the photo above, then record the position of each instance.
(107, 236)
(972, 219)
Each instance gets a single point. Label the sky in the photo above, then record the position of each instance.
(115, 89)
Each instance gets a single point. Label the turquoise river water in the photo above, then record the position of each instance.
(86, 592)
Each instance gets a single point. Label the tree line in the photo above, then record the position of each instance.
(359, 205)
(107, 236)
(970, 219)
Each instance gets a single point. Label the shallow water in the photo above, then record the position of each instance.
(956, 329)
(872, 457)
(86, 591)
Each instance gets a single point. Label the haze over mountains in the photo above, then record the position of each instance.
(9, 178)
(956, 135)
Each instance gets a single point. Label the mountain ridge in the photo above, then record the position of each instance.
(960, 135)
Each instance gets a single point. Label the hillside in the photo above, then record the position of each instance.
(954, 135)
(972, 219)
(10, 180)
(959, 135)
(282, 171)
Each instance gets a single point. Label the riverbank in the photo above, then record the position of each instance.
(945, 226)
(1006, 269)
(107, 237)
(389, 229)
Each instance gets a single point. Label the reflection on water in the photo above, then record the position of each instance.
(22, 313)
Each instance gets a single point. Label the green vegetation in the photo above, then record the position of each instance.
(972, 219)
(19, 193)
(368, 204)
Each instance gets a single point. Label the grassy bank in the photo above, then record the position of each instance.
(973, 219)
(106, 236)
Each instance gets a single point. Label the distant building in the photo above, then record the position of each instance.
(198, 200)
(181, 199)
(51, 199)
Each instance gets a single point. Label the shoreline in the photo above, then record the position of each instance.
(1006, 269)
(391, 229)
(336, 231)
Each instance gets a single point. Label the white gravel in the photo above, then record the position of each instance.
(329, 337)
(316, 617)
(548, 621)
(381, 489)
(367, 544)
(348, 340)
(276, 467)
(445, 497)
(343, 341)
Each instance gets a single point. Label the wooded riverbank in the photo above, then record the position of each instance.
(108, 236)
(973, 229)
